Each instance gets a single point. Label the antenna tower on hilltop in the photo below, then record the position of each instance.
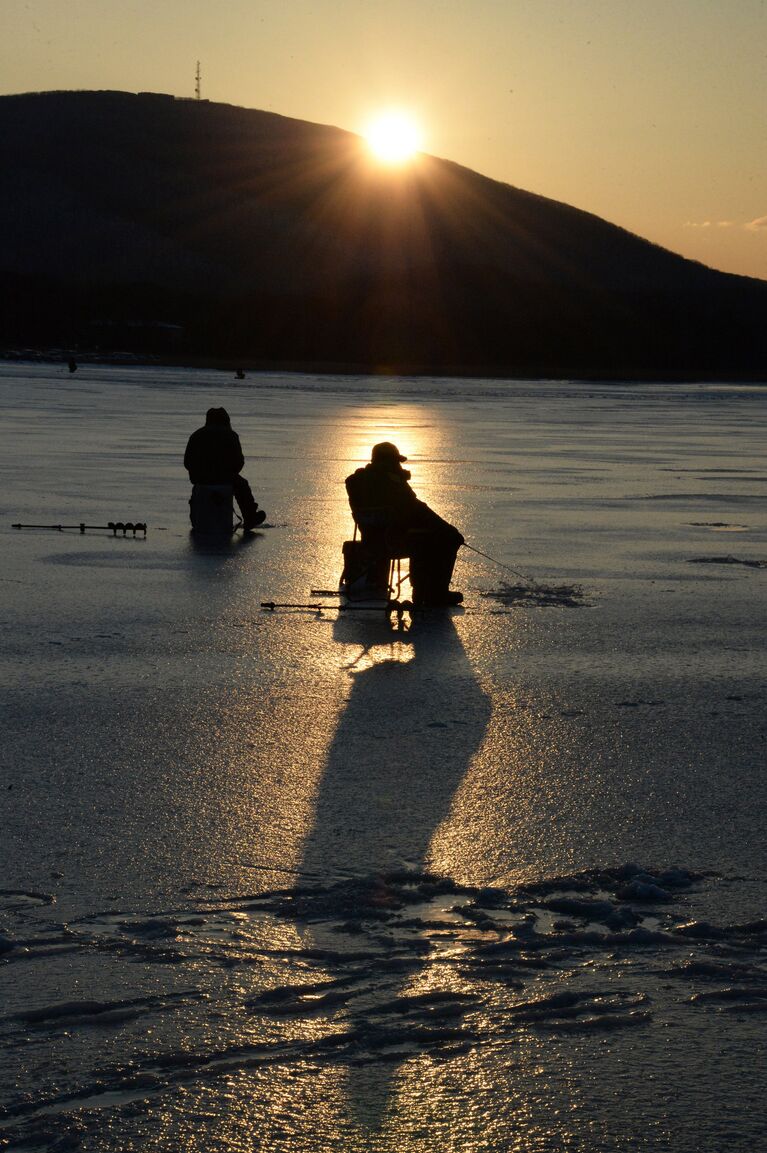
(197, 82)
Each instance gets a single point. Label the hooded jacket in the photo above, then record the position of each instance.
(213, 455)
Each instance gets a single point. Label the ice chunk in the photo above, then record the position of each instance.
(641, 890)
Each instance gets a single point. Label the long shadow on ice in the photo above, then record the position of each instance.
(414, 720)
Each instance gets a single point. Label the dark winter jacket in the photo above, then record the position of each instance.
(213, 455)
(380, 493)
(381, 498)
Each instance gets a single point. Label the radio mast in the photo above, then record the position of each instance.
(197, 82)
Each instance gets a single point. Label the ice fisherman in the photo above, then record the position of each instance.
(388, 512)
(214, 456)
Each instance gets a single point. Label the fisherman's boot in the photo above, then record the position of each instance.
(253, 520)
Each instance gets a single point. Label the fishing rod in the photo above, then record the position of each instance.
(398, 607)
(112, 526)
(272, 605)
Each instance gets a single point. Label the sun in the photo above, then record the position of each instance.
(393, 137)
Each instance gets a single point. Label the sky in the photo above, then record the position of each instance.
(650, 113)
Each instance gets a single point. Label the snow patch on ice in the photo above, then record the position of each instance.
(537, 595)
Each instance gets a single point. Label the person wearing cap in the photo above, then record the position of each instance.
(387, 511)
(214, 456)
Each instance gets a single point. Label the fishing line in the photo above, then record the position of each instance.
(500, 564)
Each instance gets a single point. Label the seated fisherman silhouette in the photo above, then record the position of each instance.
(394, 521)
(214, 457)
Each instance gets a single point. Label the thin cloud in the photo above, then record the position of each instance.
(709, 223)
(758, 225)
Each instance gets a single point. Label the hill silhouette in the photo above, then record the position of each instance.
(201, 229)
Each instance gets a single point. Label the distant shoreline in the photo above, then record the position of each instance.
(342, 368)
